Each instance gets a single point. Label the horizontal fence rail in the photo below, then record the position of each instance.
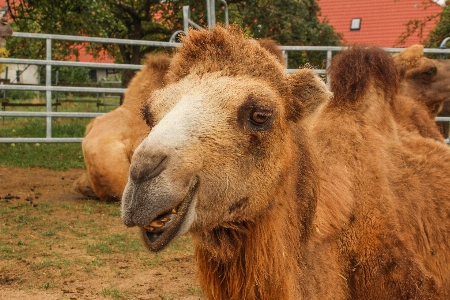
(49, 89)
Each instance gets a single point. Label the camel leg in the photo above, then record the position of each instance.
(83, 186)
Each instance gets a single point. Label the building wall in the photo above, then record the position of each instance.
(24, 74)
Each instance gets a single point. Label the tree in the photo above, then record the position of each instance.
(289, 22)
(292, 22)
(124, 19)
(437, 35)
(441, 31)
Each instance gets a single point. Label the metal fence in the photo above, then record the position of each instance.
(49, 88)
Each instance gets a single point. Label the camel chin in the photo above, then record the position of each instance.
(170, 222)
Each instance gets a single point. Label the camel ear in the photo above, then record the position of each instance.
(308, 90)
(408, 58)
(411, 53)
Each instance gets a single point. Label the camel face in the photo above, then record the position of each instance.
(424, 79)
(431, 81)
(209, 158)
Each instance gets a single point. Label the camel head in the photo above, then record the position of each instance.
(425, 80)
(224, 130)
(5, 31)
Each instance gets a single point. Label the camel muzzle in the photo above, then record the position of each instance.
(167, 226)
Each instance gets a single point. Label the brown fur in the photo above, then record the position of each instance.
(273, 47)
(424, 86)
(382, 73)
(444, 127)
(110, 179)
(5, 31)
(111, 139)
(343, 204)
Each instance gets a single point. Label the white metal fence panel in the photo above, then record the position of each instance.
(49, 88)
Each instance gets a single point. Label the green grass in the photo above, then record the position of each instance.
(115, 294)
(55, 156)
(50, 156)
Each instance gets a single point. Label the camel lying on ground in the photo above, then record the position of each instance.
(427, 82)
(345, 204)
(111, 139)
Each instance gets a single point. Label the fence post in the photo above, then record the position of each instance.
(211, 12)
(48, 84)
(329, 57)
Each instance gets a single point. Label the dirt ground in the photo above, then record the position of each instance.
(55, 244)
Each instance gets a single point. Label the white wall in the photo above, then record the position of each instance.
(28, 74)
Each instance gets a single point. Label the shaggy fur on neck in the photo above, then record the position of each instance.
(258, 258)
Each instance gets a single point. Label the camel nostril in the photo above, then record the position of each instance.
(158, 168)
(151, 168)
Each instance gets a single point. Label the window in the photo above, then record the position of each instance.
(356, 24)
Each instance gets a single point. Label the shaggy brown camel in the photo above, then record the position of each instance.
(5, 31)
(427, 82)
(111, 139)
(346, 205)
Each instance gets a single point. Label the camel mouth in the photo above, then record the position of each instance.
(167, 226)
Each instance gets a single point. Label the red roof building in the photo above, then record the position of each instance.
(103, 56)
(379, 22)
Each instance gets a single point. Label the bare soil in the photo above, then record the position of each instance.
(55, 244)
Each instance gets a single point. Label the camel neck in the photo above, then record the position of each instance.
(260, 258)
(251, 260)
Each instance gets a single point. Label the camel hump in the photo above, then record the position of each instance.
(360, 68)
(157, 61)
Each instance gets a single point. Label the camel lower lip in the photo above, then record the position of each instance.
(162, 230)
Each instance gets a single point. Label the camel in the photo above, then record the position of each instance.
(273, 47)
(111, 139)
(342, 204)
(5, 31)
(114, 136)
(426, 82)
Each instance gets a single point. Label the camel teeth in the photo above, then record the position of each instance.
(166, 219)
(149, 228)
(174, 210)
(157, 224)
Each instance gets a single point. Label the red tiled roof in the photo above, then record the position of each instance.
(86, 57)
(382, 21)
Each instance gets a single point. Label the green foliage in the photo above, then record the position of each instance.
(441, 31)
(3, 53)
(67, 75)
(20, 95)
(416, 27)
(290, 22)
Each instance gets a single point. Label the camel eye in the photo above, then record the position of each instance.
(428, 74)
(260, 117)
